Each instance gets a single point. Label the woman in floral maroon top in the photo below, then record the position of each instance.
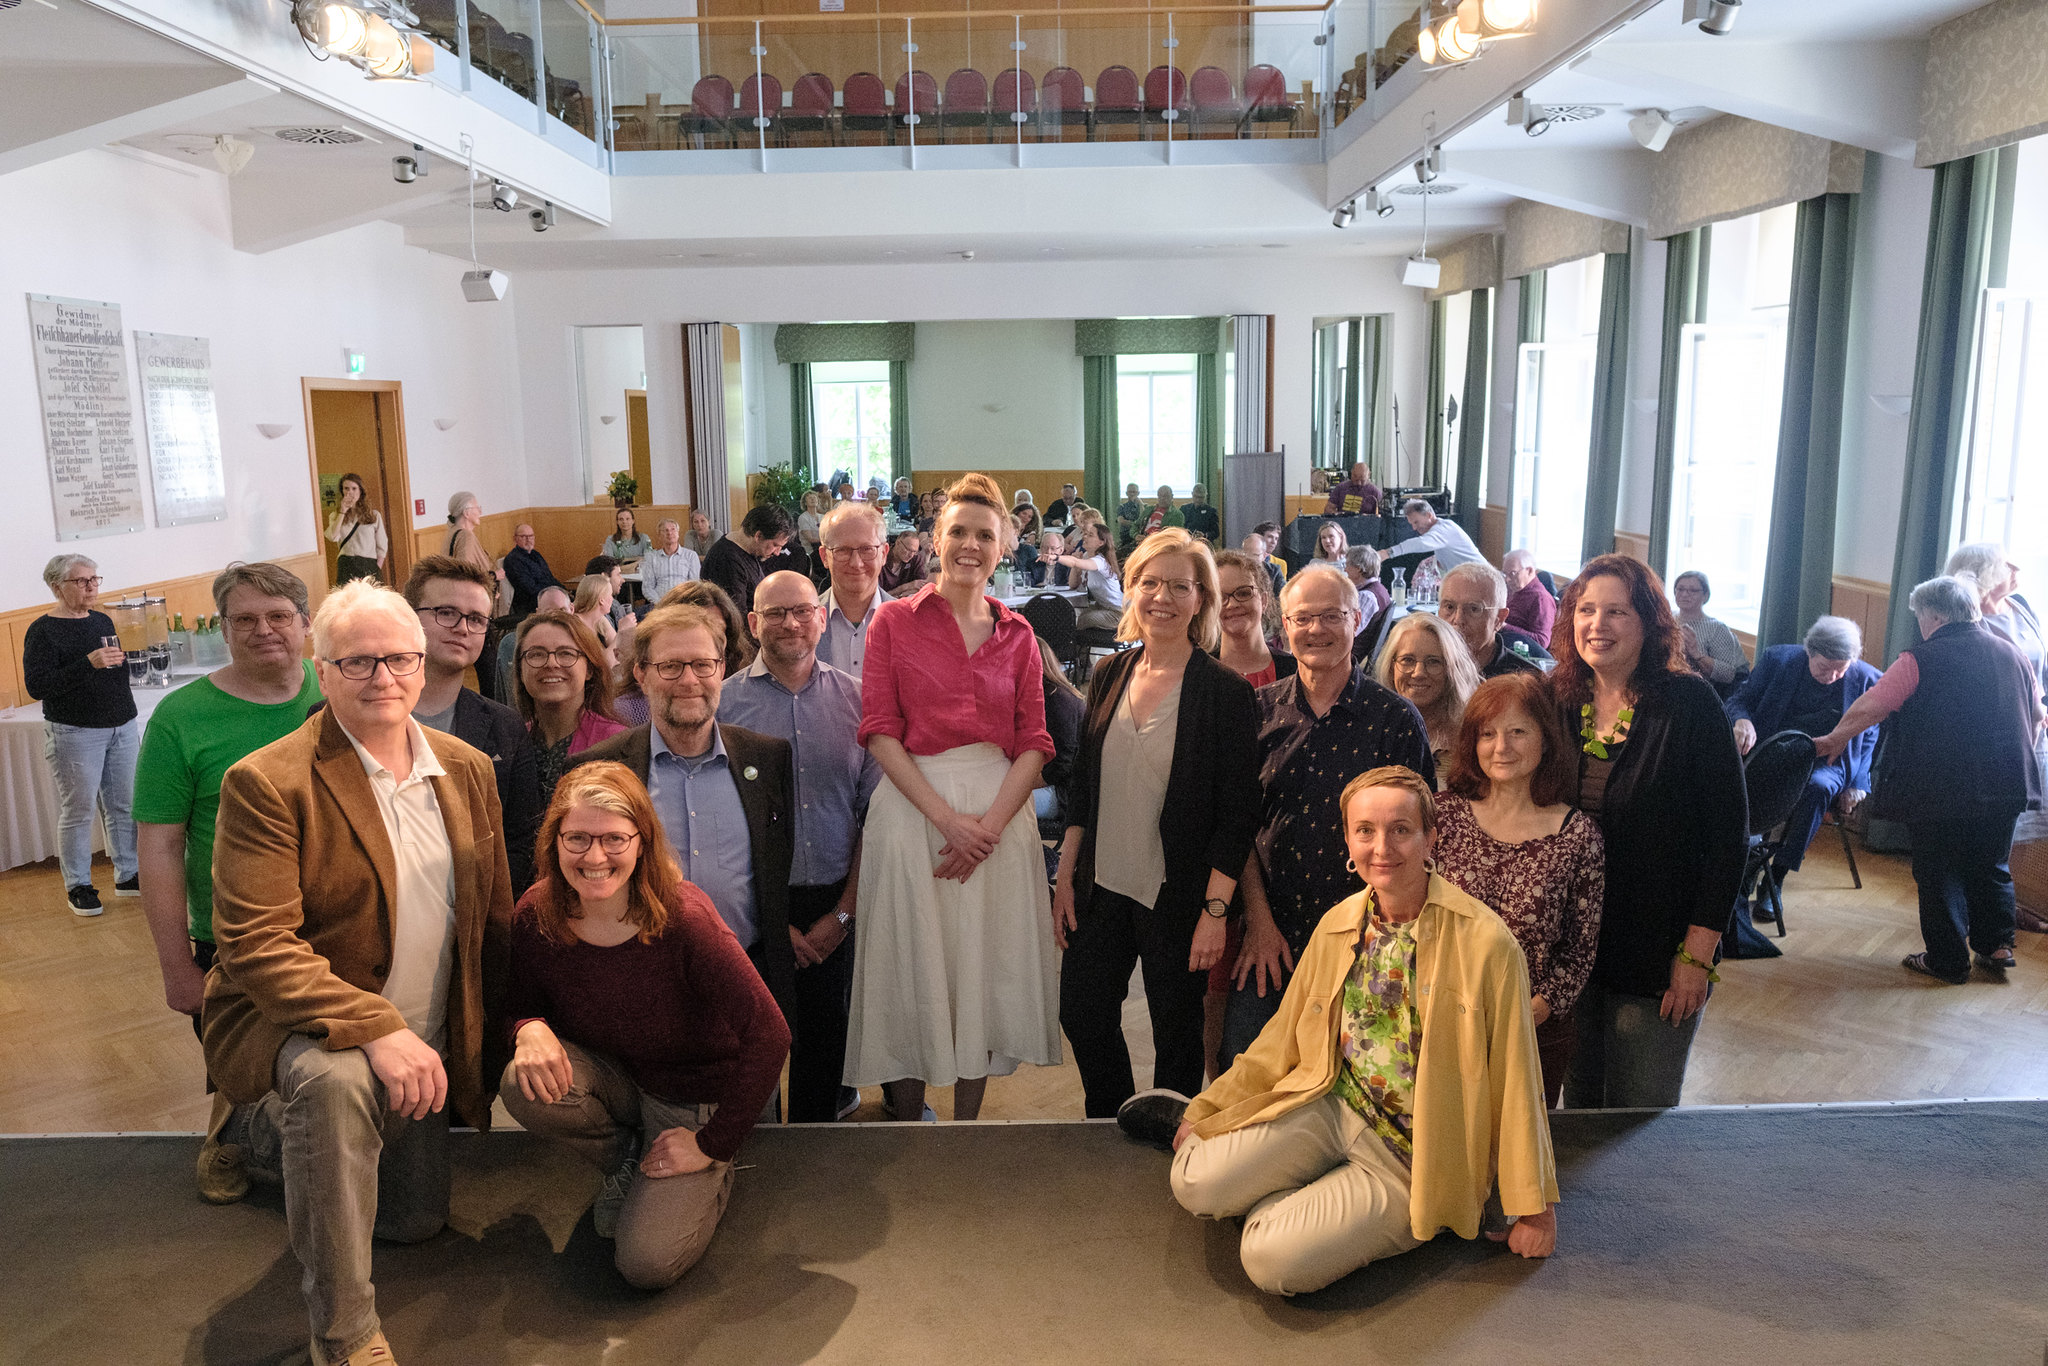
(1507, 838)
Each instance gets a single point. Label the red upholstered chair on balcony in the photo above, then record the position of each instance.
(760, 112)
(1117, 98)
(966, 102)
(864, 106)
(1063, 102)
(810, 106)
(1016, 103)
(1266, 99)
(1215, 101)
(710, 110)
(917, 96)
(1166, 95)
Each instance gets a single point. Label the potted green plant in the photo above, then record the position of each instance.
(623, 489)
(782, 486)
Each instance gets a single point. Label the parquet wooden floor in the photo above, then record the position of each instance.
(86, 1044)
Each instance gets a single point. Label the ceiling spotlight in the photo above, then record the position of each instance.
(406, 169)
(1430, 166)
(503, 197)
(542, 218)
(1377, 204)
(1346, 211)
(1715, 16)
(1453, 44)
(1652, 128)
(1535, 118)
(231, 154)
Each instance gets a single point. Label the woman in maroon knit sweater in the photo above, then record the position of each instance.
(645, 1041)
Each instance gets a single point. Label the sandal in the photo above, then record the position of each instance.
(2001, 961)
(1917, 962)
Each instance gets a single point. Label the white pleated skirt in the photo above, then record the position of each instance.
(951, 979)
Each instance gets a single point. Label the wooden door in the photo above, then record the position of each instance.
(358, 427)
(639, 450)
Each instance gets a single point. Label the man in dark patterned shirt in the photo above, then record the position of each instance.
(1317, 731)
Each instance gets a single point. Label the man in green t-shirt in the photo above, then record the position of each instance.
(195, 735)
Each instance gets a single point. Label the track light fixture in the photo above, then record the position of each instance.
(1447, 39)
(1715, 17)
(1346, 211)
(1652, 128)
(405, 169)
(1379, 205)
(503, 197)
(1534, 118)
(542, 218)
(1430, 165)
(377, 36)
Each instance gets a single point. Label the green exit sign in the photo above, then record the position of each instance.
(356, 362)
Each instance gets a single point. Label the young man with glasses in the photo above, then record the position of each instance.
(452, 599)
(853, 541)
(795, 696)
(361, 873)
(724, 793)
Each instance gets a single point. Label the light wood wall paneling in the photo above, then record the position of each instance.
(1865, 602)
(1634, 544)
(1493, 532)
(1044, 484)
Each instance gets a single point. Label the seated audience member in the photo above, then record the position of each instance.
(551, 599)
(1362, 1122)
(73, 664)
(1357, 496)
(1316, 729)
(815, 506)
(1062, 509)
(452, 600)
(701, 537)
(925, 513)
(1710, 647)
(901, 501)
(1425, 661)
(1507, 837)
(1474, 598)
(1200, 517)
(1959, 766)
(669, 563)
(527, 572)
(1163, 514)
(1434, 536)
(1270, 533)
(903, 572)
(737, 562)
(854, 546)
(1319, 482)
(627, 543)
(1807, 688)
(1256, 546)
(614, 575)
(564, 692)
(1332, 545)
(796, 697)
(644, 1040)
(739, 652)
(1244, 610)
(1065, 709)
(1095, 562)
(1530, 606)
(1130, 519)
(359, 889)
(1362, 567)
(1023, 554)
(1051, 573)
(1025, 515)
(594, 609)
(724, 793)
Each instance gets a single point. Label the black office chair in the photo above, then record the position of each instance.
(1774, 775)
(1053, 618)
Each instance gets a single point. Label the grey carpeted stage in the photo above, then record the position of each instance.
(1737, 1237)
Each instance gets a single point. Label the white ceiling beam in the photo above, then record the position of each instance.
(1451, 99)
(131, 107)
(1864, 94)
(1604, 182)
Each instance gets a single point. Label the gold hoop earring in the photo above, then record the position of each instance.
(1351, 866)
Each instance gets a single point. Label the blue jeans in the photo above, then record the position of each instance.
(94, 769)
(1627, 1058)
(1822, 789)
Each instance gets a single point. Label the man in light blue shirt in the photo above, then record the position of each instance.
(853, 541)
(700, 811)
(793, 695)
(668, 564)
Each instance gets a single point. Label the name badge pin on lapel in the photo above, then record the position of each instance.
(750, 773)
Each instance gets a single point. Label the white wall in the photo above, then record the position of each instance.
(614, 360)
(996, 396)
(157, 241)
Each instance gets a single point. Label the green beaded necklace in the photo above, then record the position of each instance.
(1595, 743)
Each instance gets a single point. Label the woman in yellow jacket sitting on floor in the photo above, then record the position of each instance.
(1396, 1088)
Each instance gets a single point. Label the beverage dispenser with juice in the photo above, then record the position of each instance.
(156, 623)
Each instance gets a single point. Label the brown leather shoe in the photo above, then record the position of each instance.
(222, 1178)
(375, 1352)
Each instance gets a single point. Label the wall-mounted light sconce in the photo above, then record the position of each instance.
(273, 430)
(442, 424)
(607, 418)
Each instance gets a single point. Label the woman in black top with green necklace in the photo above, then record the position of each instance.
(1658, 770)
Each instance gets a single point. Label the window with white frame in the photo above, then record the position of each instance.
(1155, 417)
(850, 409)
(1554, 419)
(1456, 347)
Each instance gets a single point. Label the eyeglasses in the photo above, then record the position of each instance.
(538, 658)
(1302, 621)
(872, 550)
(1241, 597)
(775, 616)
(360, 668)
(454, 617)
(245, 623)
(94, 582)
(1180, 590)
(579, 841)
(672, 669)
(1429, 664)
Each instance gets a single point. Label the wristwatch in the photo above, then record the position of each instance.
(845, 918)
(1216, 906)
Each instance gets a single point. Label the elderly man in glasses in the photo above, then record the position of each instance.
(854, 543)
(452, 599)
(360, 865)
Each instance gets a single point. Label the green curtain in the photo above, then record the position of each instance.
(1685, 302)
(1433, 433)
(1532, 289)
(803, 436)
(1968, 234)
(1099, 434)
(1799, 571)
(1610, 409)
(1474, 405)
(1147, 336)
(1209, 434)
(1374, 381)
(899, 420)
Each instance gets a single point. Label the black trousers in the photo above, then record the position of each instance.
(1113, 935)
(824, 994)
(1963, 870)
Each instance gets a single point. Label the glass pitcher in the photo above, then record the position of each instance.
(131, 626)
(156, 624)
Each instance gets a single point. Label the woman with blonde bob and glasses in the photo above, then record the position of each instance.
(1396, 1090)
(1165, 806)
(644, 1041)
(1427, 661)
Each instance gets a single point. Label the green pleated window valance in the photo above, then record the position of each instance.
(810, 343)
(1147, 336)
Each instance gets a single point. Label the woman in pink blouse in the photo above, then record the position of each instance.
(1506, 837)
(955, 975)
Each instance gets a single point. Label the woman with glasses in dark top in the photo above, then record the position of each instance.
(564, 691)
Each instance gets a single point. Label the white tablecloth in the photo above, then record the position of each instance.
(28, 793)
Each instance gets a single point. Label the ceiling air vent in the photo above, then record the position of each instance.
(318, 137)
(9, 4)
(1573, 113)
(1434, 187)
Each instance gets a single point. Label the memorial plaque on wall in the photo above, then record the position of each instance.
(184, 432)
(88, 417)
